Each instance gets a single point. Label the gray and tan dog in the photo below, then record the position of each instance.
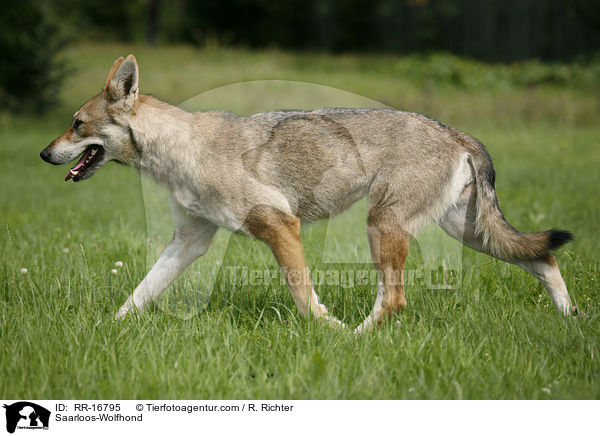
(265, 174)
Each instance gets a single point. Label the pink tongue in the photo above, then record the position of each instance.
(79, 164)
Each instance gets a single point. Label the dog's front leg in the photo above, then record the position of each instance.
(282, 234)
(191, 239)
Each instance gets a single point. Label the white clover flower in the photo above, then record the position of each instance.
(118, 264)
(113, 271)
(23, 271)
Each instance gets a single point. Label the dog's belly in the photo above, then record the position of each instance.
(231, 208)
(329, 199)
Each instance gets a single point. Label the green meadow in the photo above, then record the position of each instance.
(224, 331)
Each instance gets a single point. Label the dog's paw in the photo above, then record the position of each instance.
(360, 329)
(122, 313)
(333, 321)
(367, 324)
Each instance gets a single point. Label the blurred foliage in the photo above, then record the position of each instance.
(31, 70)
(104, 20)
(448, 69)
(493, 30)
(435, 36)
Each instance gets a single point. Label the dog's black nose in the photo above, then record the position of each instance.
(45, 155)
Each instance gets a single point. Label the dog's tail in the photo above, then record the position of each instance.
(500, 239)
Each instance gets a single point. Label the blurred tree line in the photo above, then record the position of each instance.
(33, 31)
(493, 30)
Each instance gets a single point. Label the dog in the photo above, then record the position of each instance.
(266, 174)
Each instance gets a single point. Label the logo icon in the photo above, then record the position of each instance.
(26, 415)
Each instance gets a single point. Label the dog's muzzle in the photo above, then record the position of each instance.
(45, 155)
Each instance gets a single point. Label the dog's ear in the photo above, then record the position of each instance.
(122, 80)
(111, 73)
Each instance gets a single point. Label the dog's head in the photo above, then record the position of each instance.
(101, 130)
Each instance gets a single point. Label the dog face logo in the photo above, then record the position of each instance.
(26, 415)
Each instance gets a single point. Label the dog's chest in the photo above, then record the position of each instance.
(209, 204)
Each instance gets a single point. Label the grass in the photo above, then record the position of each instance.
(497, 336)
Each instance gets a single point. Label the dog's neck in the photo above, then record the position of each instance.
(164, 136)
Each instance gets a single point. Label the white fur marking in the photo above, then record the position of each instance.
(368, 322)
(550, 277)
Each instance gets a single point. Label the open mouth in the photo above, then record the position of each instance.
(87, 160)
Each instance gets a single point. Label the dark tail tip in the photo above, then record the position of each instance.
(558, 238)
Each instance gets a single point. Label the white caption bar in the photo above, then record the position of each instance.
(249, 417)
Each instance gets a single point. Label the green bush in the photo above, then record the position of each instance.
(30, 43)
(448, 69)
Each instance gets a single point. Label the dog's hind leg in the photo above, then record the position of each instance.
(191, 239)
(547, 272)
(389, 247)
(281, 233)
(460, 223)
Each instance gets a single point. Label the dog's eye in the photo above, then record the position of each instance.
(77, 123)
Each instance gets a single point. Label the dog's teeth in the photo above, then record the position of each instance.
(74, 172)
